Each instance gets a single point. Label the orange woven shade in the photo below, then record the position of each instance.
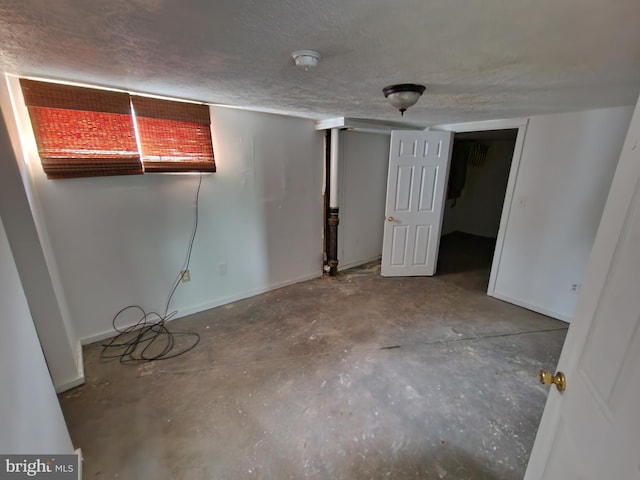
(174, 136)
(82, 132)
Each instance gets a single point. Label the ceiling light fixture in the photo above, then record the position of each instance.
(306, 58)
(404, 95)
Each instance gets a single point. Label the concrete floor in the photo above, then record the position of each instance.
(354, 377)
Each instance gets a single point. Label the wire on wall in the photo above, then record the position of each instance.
(149, 338)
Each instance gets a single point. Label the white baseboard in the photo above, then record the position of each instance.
(80, 359)
(358, 263)
(69, 384)
(76, 380)
(249, 293)
(528, 306)
(206, 306)
(78, 451)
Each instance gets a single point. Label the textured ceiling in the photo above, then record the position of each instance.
(479, 59)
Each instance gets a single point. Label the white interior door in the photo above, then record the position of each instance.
(592, 430)
(416, 187)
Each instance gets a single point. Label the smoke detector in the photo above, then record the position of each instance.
(306, 58)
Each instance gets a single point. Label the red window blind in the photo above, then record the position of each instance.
(82, 132)
(174, 136)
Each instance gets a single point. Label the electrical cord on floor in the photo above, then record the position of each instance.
(149, 339)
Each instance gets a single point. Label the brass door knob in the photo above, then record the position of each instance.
(390, 219)
(559, 380)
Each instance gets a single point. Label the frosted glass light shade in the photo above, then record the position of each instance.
(404, 95)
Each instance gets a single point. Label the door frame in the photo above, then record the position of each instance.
(510, 124)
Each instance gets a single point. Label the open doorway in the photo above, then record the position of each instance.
(479, 173)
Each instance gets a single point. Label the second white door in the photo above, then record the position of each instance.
(416, 189)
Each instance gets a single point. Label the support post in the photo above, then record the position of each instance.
(333, 219)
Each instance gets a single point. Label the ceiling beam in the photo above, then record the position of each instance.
(360, 125)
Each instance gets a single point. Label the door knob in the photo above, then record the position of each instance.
(559, 380)
(390, 219)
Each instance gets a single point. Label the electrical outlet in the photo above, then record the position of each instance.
(222, 269)
(185, 276)
(575, 287)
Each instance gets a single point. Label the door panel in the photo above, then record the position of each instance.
(404, 188)
(416, 187)
(607, 349)
(421, 254)
(428, 189)
(399, 247)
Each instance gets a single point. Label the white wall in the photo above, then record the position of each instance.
(364, 162)
(479, 208)
(34, 259)
(122, 240)
(30, 417)
(567, 164)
